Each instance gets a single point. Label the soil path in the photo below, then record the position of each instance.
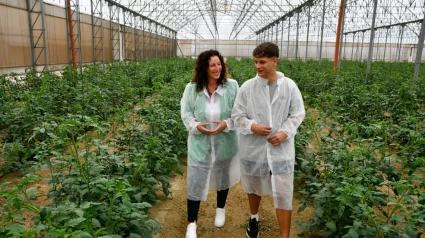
(172, 214)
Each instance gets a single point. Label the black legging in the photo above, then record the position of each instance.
(193, 206)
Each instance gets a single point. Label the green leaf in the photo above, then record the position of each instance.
(353, 233)
(31, 193)
(15, 229)
(79, 212)
(138, 197)
(319, 211)
(85, 205)
(411, 231)
(75, 221)
(356, 225)
(95, 222)
(331, 225)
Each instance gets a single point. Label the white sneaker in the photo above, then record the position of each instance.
(191, 230)
(220, 217)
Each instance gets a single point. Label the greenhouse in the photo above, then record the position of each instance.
(93, 141)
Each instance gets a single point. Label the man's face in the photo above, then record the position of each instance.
(265, 66)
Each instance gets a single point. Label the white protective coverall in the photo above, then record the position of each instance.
(212, 162)
(257, 156)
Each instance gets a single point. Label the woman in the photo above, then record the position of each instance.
(206, 108)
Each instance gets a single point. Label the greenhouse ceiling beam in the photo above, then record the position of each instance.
(213, 14)
(278, 5)
(386, 26)
(189, 24)
(387, 7)
(202, 15)
(288, 14)
(389, 11)
(188, 6)
(407, 8)
(250, 19)
(239, 20)
(237, 33)
(271, 10)
(112, 2)
(172, 19)
(167, 7)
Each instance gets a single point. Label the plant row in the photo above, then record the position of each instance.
(110, 137)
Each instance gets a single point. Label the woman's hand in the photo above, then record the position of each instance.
(202, 127)
(221, 125)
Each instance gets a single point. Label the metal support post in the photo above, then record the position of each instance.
(321, 32)
(175, 44)
(143, 38)
(97, 31)
(378, 36)
(338, 35)
(281, 40)
(308, 32)
(372, 36)
(385, 45)
(150, 40)
(137, 33)
(289, 31)
(114, 30)
(37, 33)
(342, 32)
(156, 41)
(271, 35)
(277, 32)
(401, 42)
(297, 36)
(352, 47)
(72, 13)
(419, 51)
(127, 26)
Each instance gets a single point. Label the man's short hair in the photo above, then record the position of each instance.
(266, 49)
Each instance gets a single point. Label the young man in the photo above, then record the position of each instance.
(267, 111)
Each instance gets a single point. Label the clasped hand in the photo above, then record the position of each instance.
(263, 130)
(202, 127)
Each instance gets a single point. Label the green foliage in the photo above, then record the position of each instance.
(99, 187)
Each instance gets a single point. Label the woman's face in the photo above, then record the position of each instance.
(214, 68)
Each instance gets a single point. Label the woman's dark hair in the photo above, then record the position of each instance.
(266, 49)
(200, 76)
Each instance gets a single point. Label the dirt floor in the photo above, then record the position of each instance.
(172, 214)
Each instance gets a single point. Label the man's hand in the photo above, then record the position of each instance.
(277, 138)
(260, 129)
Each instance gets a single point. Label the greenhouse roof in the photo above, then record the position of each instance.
(237, 19)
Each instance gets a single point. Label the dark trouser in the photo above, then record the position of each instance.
(193, 206)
